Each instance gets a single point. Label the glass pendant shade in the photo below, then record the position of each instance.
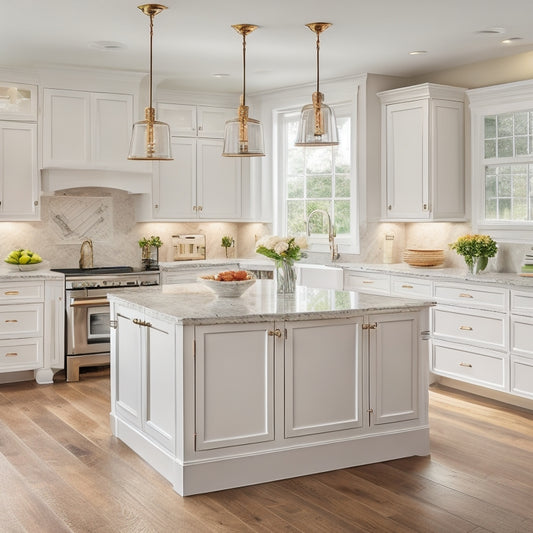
(243, 136)
(150, 139)
(317, 126)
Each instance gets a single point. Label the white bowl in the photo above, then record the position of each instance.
(27, 267)
(227, 289)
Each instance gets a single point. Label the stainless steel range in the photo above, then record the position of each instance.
(87, 311)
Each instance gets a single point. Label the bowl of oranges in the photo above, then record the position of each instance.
(230, 283)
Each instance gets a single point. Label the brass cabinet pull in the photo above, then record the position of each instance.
(11, 354)
(140, 322)
(465, 295)
(137, 321)
(467, 365)
(372, 325)
(367, 281)
(11, 293)
(466, 328)
(407, 286)
(12, 320)
(275, 333)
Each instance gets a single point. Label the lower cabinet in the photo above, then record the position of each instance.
(144, 374)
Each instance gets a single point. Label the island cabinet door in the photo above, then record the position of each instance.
(234, 381)
(323, 376)
(394, 367)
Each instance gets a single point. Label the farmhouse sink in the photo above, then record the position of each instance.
(319, 276)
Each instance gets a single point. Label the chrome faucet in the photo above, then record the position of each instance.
(86, 254)
(331, 233)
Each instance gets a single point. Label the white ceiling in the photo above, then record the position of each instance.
(194, 40)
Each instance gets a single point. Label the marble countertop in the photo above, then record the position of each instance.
(10, 273)
(251, 264)
(195, 304)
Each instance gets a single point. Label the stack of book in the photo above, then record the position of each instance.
(527, 266)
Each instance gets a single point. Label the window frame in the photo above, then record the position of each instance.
(347, 243)
(489, 101)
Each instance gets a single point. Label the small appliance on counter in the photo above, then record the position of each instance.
(188, 247)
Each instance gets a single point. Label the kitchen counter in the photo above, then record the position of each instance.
(196, 304)
(216, 393)
(8, 274)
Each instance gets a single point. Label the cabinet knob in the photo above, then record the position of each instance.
(389, 207)
(194, 207)
(200, 128)
(36, 203)
(200, 208)
(425, 207)
(156, 206)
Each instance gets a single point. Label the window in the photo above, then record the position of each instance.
(317, 178)
(502, 160)
(508, 158)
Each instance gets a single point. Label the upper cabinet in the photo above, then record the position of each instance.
(18, 101)
(87, 130)
(423, 153)
(194, 121)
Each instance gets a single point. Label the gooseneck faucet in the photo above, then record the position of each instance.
(331, 232)
(86, 254)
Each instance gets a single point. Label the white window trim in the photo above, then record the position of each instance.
(495, 100)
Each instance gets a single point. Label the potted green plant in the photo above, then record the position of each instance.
(476, 250)
(150, 252)
(227, 242)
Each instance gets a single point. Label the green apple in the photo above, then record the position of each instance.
(35, 258)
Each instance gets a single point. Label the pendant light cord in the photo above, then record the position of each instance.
(317, 61)
(244, 68)
(151, 39)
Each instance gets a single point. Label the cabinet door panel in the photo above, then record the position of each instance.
(160, 383)
(407, 160)
(323, 383)
(212, 120)
(234, 385)
(19, 176)
(174, 182)
(66, 129)
(112, 123)
(180, 118)
(394, 368)
(522, 376)
(129, 342)
(218, 182)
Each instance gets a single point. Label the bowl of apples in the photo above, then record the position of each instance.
(229, 284)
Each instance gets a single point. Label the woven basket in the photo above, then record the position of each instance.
(423, 258)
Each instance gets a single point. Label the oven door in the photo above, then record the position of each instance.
(88, 322)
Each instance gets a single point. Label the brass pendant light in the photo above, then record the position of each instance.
(150, 139)
(317, 126)
(243, 136)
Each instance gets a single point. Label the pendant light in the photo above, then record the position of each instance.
(150, 139)
(243, 136)
(317, 125)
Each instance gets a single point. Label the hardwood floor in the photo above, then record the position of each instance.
(61, 470)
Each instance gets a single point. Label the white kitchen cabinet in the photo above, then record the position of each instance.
(18, 101)
(411, 287)
(522, 343)
(234, 385)
(195, 120)
(145, 374)
(87, 130)
(368, 282)
(19, 173)
(423, 153)
(323, 376)
(199, 183)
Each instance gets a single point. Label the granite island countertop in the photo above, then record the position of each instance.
(194, 304)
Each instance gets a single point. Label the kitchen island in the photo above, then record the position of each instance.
(217, 393)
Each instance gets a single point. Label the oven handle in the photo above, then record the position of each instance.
(88, 302)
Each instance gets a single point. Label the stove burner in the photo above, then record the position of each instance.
(93, 271)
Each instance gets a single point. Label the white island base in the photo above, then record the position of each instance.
(261, 388)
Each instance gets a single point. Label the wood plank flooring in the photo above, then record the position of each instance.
(61, 470)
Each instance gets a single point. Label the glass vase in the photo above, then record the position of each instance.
(477, 264)
(285, 277)
(150, 257)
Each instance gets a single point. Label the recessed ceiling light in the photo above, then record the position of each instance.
(220, 75)
(418, 52)
(492, 30)
(106, 46)
(511, 40)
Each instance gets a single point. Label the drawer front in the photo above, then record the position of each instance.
(481, 328)
(367, 282)
(481, 367)
(411, 287)
(522, 302)
(17, 321)
(22, 291)
(522, 376)
(493, 298)
(522, 335)
(22, 354)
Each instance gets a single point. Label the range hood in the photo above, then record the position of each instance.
(53, 180)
